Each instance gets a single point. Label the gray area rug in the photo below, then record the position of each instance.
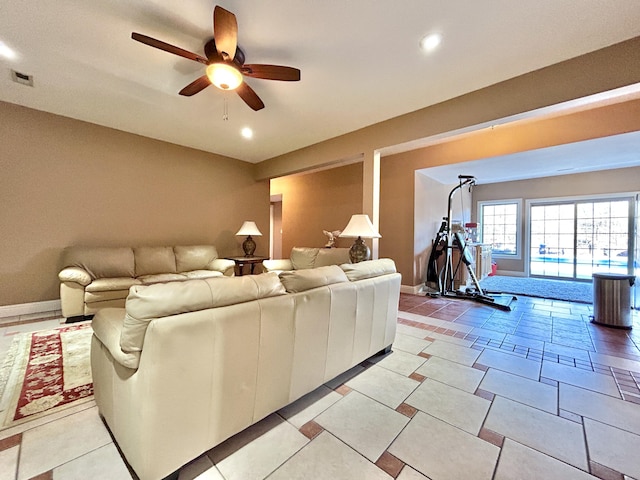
(540, 287)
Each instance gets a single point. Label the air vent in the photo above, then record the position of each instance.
(22, 78)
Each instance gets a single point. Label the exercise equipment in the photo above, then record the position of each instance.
(441, 272)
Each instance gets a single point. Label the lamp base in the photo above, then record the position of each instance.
(249, 247)
(359, 251)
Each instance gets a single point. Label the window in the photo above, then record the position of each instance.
(499, 224)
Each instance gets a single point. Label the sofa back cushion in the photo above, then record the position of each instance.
(152, 260)
(301, 280)
(303, 257)
(195, 257)
(147, 302)
(101, 262)
(368, 269)
(332, 256)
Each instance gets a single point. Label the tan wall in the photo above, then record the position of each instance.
(622, 180)
(595, 72)
(65, 182)
(318, 201)
(397, 172)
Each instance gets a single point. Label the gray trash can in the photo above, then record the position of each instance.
(612, 299)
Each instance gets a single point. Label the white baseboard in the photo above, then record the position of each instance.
(29, 308)
(510, 273)
(412, 290)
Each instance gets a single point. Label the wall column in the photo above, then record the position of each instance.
(371, 194)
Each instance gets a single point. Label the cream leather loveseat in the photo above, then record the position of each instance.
(187, 365)
(97, 277)
(308, 257)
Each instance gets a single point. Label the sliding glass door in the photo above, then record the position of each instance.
(577, 238)
(603, 237)
(552, 240)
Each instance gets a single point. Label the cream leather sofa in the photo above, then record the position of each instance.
(97, 277)
(186, 365)
(308, 257)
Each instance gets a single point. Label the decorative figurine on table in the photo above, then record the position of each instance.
(332, 238)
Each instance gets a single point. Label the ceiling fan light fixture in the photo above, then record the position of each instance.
(224, 76)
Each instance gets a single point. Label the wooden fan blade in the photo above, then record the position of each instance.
(272, 72)
(225, 32)
(196, 86)
(249, 96)
(152, 42)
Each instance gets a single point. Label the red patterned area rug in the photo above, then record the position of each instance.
(45, 372)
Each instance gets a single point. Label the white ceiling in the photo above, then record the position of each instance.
(359, 59)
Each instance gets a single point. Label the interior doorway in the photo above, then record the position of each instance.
(636, 261)
(275, 227)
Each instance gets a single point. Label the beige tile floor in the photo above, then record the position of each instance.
(468, 392)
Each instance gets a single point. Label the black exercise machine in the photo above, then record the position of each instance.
(441, 272)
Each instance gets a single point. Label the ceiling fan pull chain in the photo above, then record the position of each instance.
(225, 110)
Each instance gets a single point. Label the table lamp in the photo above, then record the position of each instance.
(359, 227)
(249, 246)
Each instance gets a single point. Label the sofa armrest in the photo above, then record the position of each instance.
(76, 275)
(107, 327)
(72, 299)
(277, 265)
(226, 267)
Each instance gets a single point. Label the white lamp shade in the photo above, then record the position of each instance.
(249, 228)
(360, 226)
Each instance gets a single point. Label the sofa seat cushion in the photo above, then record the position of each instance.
(369, 269)
(148, 302)
(107, 327)
(95, 307)
(301, 280)
(111, 284)
(202, 274)
(161, 278)
(93, 297)
(152, 260)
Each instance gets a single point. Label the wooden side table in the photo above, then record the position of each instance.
(242, 261)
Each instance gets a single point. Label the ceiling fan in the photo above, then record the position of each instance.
(225, 61)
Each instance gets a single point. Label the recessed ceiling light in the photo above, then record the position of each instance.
(7, 52)
(430, 42)
(246, 132)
